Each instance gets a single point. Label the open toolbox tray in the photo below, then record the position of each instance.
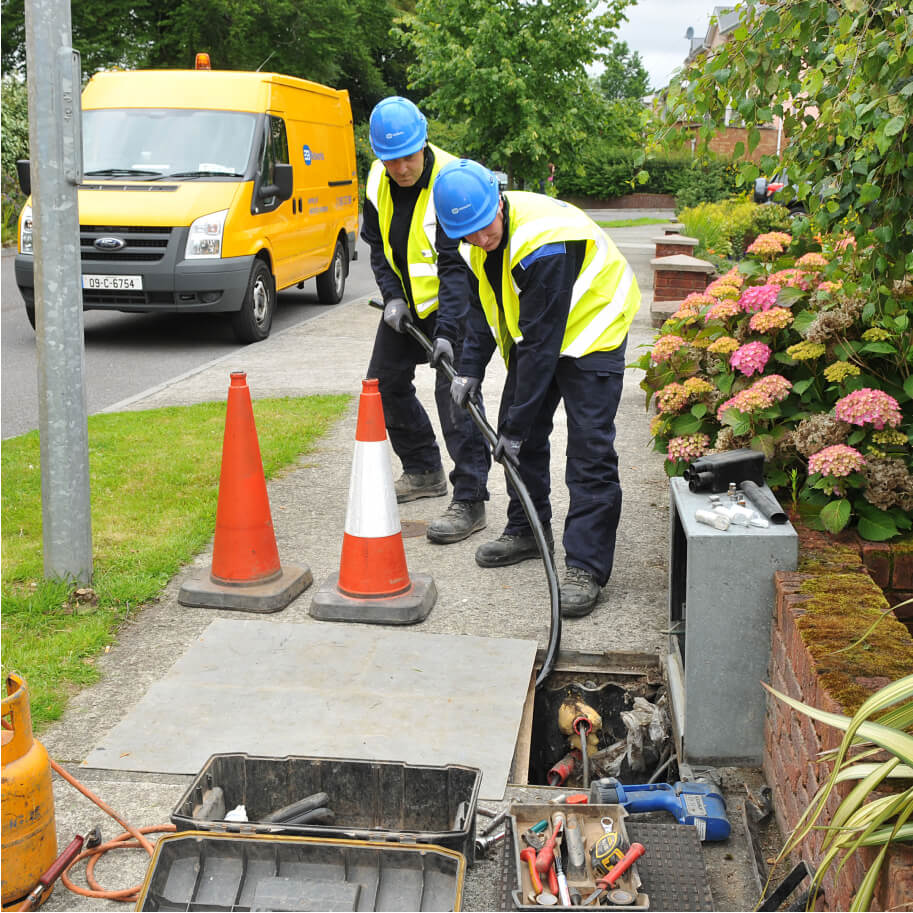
(372, 800)
(196, 870)
(523, 816)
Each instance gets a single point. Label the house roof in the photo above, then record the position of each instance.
(723, 20)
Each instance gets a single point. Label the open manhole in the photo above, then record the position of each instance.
(632, 738)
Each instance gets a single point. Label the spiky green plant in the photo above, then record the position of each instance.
(864, 817)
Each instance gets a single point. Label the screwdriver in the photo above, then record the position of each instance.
(608, 881)
(546, 855)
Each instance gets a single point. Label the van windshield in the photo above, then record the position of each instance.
(153, 143)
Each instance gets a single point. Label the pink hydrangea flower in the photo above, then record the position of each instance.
(777, 318)
(829, 286)
(688, 447)
(844, 243)
(665, 347)
(723, 310)
(733, 277)
(698, 300)
(794, 278)
(723, 288)
(750, 358)
(672, 397)
(812, 262)
(759, 298)
(762, 394)
(837, 461)
(868, 407)
(723, 346)
(769, 244)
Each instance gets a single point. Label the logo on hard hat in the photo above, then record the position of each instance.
(458, 209)
(393, 135)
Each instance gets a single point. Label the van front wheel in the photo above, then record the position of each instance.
(252, 323)
(331, 285)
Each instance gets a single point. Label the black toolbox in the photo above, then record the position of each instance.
(198, 870)
(387, 801)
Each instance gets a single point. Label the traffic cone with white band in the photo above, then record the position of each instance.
(245, 573)
(373, 584)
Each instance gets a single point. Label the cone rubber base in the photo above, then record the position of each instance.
(202, 591)
(330, 604)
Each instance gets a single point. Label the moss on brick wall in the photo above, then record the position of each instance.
(838, 610)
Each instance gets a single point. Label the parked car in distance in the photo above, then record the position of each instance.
(766, 190)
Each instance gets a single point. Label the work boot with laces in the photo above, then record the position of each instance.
(579, 592)
(510, 549)
(411, 486)
(460, 520)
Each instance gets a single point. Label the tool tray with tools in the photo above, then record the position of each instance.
(387, 801)
(595, 822)
(196, 870)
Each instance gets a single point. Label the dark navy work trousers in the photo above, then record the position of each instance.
(591, 396)
(393, 363)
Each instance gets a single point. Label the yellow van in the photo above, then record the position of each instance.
(208, 190)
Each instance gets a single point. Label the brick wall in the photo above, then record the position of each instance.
(674, 285)
(805, 666)
(670, 248)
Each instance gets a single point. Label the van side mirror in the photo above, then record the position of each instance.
(24, 171)
(284, 186)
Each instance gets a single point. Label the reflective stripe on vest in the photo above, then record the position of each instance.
(421, 254)
(605, 296)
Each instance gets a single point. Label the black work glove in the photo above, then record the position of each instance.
(441, 350)
(396, 315)
(507, 450)
(462, 389)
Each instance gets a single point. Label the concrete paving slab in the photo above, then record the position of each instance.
(327, 690)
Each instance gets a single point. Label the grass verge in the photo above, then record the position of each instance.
(630, 223)
(154, 479)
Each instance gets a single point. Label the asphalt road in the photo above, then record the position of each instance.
(126, 354)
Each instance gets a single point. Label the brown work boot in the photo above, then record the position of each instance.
(411, 486)
(458, 522)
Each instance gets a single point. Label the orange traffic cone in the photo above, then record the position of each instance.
(246, 573)
(373, 584)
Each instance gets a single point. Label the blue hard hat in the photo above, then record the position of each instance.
(466, 197)
(397, 128)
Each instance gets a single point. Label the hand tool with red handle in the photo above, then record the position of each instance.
(561, 770)
(546, 855)
(529, 857)
(608, 881)
(60, 864)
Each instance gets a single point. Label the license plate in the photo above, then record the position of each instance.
(113, 283)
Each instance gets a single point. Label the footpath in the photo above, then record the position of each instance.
(326, 355)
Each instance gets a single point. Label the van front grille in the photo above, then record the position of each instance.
(141, 243)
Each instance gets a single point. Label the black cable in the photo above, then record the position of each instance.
(548, 559)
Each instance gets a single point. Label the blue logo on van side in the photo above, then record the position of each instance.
(306, 151)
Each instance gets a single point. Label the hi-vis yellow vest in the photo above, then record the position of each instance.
(605, 296)
(420, 253)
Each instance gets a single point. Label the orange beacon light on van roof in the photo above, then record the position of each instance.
(202, 62)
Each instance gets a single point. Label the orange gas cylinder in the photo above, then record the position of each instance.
(29, 832)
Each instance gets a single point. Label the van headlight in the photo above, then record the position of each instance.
(205, 236)
(25, 231)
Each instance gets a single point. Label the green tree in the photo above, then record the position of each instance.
(513, 71)
(840, 75)
(343, 43)
(625, 75)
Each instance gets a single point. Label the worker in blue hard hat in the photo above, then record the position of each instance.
(422, 279)
(557, 298)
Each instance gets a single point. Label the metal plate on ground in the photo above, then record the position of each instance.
(672, 870)
(343, 691)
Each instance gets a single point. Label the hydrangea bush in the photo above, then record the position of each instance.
(785, 354)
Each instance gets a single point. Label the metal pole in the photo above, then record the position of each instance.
(55, 120)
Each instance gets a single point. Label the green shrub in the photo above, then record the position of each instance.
(787, 354)
(14, 144)
(704, 182)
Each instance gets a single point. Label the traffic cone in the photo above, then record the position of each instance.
(373, 584)
(245, 573)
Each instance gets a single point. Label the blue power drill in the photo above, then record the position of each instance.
(697, 804)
